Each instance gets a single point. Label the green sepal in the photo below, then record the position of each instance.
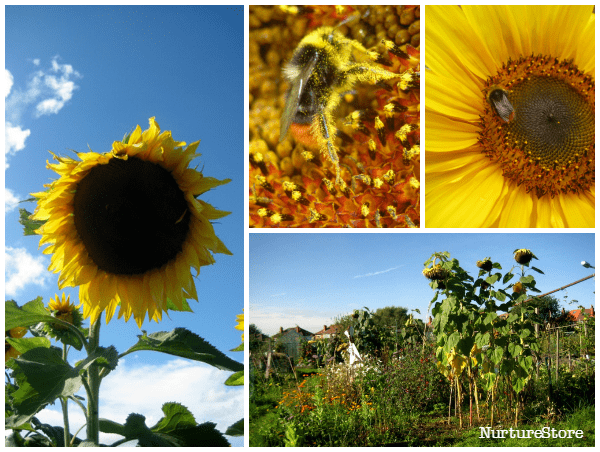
(237, 379)
(185, 307)
(183, 343)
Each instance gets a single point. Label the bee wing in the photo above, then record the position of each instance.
(298, 83)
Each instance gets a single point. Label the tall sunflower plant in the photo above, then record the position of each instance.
(89, 218)
(478, 346)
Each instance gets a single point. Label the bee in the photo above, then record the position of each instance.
(498, 99)
(321, 69)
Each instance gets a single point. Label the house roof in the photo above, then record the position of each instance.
(577, 316)
(302, 331)
(333, 329)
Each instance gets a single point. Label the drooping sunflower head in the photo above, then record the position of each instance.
(9, 350)
(486, 264)
(510, 116)
(523, 256)
(126, 226)
(435, 273)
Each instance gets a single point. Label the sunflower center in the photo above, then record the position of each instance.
(131, 216)
(539, 125)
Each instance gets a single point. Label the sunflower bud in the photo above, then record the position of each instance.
(485, 264)
(523, 256)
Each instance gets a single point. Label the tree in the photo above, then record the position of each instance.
(390, 316)
(548, 308)
(256, 343)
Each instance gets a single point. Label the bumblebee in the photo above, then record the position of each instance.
(322, 68)
(498, 99)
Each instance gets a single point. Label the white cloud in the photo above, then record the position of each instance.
(270, 320)
(10, 200)
(48, 89)
(376, 273)
(14, 140)
(23, 269)
(8, 82)
(144, 389)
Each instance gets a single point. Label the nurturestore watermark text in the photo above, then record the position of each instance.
(546, 432)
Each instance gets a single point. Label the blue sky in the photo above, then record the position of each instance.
(79, 76)
(308, 279)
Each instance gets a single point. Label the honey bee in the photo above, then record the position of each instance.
(324, 66)
(498, 99)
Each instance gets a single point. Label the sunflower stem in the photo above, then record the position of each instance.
(93, 387)
(64, 402)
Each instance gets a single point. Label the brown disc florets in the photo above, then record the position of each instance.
(539, 125)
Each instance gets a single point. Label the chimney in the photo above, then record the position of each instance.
(324, 327)
(281, 329)
(592, 313)
(297, 329)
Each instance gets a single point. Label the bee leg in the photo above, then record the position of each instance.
(326, 142)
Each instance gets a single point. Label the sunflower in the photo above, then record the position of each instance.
(64, 310)
(125, 226)
(9, 350)
(240, 325)
(510, 111)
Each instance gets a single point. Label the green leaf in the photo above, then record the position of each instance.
(537, 270)
(237, 379)
(103, 356)
(465, 345)
(29, 226)
(27, 343)
(236, 429)
(527, 279)
(203, 435)
(176, 417)
(514, 349)
(177, 428)
(491, 280)
(32, 313)
(482, 339)
(42, 376)
(182, 342)
(507, 277)
(511, 318)
(496, 355)
(526, 362)
(451, 342)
